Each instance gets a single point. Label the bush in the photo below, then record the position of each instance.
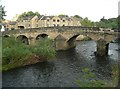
(89, 80)
(14, 50)
(15, 53)
(43, 48)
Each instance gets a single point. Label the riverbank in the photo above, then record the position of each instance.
(66, 69)
(17, 54)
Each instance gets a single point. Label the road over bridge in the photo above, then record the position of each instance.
(65, 37)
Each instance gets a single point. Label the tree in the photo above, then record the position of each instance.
(118, 22)
(100, 24)
(2, 13)
(86, 22)
(62, 15)
(37, 13)
(28, 14)
(79, 17)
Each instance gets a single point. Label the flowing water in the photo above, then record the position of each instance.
(65, 69)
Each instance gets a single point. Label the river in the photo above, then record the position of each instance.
(65, 69)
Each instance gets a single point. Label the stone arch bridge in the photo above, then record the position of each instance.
(65, 37)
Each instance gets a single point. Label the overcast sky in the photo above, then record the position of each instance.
(93, 9)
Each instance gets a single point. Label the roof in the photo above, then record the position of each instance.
(25, 18)
(61, 17)
(12, 23)
(45, 17)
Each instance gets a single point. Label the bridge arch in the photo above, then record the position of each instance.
(6, 35)
(24, 39)
(72, 41)
(41, 36)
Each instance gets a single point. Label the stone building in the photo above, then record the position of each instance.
(10, 25)
(44, 21)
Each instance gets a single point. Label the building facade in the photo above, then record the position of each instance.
(44, 21)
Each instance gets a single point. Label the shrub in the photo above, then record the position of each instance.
(15, 53)
(89, 80)
(43, 48)
(14, 50)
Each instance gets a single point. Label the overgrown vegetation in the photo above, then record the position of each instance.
(28, 14)
(0, 52)
(15, 53)
(43, 48)
(2, 13)
(89, 80)
(103, 23)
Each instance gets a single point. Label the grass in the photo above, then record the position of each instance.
(0, 53)
(89, 79)
(15, 53)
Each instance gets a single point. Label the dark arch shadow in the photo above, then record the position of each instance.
(41, 36)
(23, 38)
(6, 36)
(72, 40)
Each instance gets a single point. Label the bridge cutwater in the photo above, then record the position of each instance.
(65, 37)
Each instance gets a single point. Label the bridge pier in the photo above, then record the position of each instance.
(102, 47)
(60, 43)
(31, 40)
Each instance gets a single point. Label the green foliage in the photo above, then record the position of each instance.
(86, 22)
(44, 48)
(15, 53)
(103, 23)
(14, 50)
(118, 21)
(2, 13)
(107, 23)
(89, 80)
(100, 24)
(79, 17)
(62, 15)
(0, 52)
(28, 14)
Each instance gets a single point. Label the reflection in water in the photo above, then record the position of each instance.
(65, 70)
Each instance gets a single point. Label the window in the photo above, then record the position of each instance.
(48, 20)
(63, 20)
(58, 20)
(63, 25)
(53, 20)
(29, 25)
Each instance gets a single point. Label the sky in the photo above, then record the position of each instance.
(93, 9)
